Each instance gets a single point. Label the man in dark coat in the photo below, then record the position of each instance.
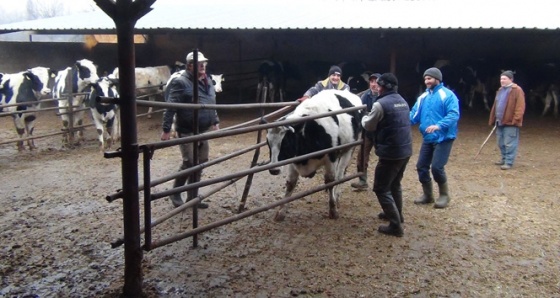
(180, 90)
(389, 120)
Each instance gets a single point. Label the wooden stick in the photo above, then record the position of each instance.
(485, 141)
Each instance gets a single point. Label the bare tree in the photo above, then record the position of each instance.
(39, 9)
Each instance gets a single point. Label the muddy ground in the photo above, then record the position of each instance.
(498, 238)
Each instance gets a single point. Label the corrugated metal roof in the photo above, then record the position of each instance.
(428, 14)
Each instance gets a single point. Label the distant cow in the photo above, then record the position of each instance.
(24, 87)
(545, 94)
(272, 80)
(216, 80)
(150, 81)
(359, 83)
(303, 138)
(81, 75)
(105, 116)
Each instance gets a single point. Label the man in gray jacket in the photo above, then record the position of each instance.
(180, 90)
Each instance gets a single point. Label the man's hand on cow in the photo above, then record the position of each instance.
(301, 99)
(165, 136)
(432, 128)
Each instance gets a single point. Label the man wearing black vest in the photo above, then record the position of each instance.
(389, 120)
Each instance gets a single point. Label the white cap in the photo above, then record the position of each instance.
(201, 58)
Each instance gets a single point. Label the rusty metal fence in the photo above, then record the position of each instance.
(218, 183)
(71, 110)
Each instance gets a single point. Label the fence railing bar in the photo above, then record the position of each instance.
(248, 213)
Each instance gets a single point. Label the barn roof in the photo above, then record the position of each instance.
(311, 15)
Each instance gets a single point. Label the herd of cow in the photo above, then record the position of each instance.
(475, 82)
(21, 95)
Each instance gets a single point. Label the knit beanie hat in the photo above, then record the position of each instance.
(388, 80)
(335, 69)
(508, 73)
(434, 73)
(374, 76)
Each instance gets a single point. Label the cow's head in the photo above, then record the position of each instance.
(275, 140)
(39, 78)
(87, 72)
(104, 87)
(217, 81)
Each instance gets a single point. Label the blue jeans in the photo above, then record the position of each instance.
(508, 141)
(434, 156)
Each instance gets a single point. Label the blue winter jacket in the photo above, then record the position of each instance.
(438, 106)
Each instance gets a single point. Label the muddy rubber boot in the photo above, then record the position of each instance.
(392, 213)
(444, 198)
(361, 184)
(200, 205)
(176, 198)
(428, 196)
(397, 196)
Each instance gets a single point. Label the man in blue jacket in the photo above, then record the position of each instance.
(437, 112)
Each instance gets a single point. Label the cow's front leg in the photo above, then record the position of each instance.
(150, 109)
(291, 182)
(29, 127)
(20, 129)
(333, 197)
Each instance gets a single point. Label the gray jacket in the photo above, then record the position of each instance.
(180, 90)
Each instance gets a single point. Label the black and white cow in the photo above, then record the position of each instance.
(272, 79)
(105, 116)
(545, 95)
(81, 75)
(24, 87)
(303, 138)
(216, 80)
(150, 81)
(359, 83)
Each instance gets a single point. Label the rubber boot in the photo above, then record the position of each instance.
(176, 198)
(200, 205)
(428, 196)
(392, 213)
(444, 198)
(397, 196)
(361, 184)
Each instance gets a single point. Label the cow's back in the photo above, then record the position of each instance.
(343, 128)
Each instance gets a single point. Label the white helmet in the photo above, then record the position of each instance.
(201, 58)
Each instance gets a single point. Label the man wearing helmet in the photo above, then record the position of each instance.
(180, 90)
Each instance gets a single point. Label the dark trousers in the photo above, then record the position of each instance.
(436, 157)
(363, 156)
(388, 175)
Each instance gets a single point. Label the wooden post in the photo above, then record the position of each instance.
(70, 110)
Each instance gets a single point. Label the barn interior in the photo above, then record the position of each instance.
(307, 53)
